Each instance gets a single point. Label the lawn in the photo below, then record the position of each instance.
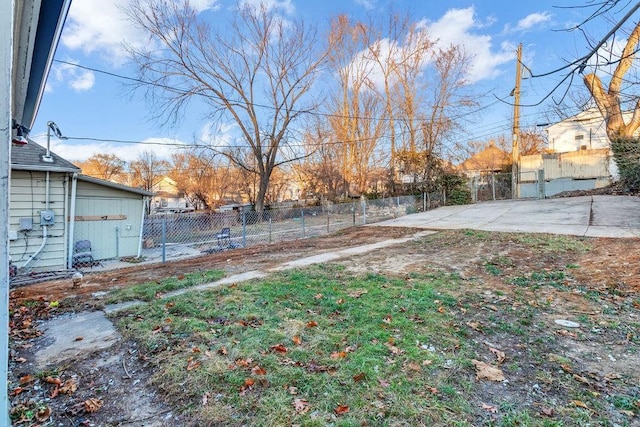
(328, 346)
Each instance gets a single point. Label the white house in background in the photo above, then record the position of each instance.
(584, 131)
(167, 197)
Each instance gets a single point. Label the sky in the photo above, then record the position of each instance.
(96, 104)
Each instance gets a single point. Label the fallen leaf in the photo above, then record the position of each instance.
(580, 404)
(205, 398)
(427, 362)
(358, 377)
(55, 392)
(581, 379)
(192, 364)
(488, 372)
(300, 405)
(195, 350)
(340, 301)
(279, 348)
(384, 383)
(243, 363)
(489, 408)
(222, 351)
(318, 296)
(441, 310)
(433, 390)
(357, 293)
(20, 359)
(249, 382)
(412, 366)
(387, 319)
(474, 325)
(312, 324)
(500, 356)
(16, 391)
(296, 340)
(52, 380)
(338, 355)
(341, 409)
(79, 338)
(27, 379)
(43, 414)
(92, 405)
(69, 387)
(293, 390)
(257, 370)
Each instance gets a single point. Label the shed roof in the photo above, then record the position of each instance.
(30, 157)
(115, 185)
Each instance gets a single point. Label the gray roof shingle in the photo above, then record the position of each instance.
(30, 157)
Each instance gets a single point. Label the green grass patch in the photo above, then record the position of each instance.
(552, 243)
(150, 290)
(312, 347)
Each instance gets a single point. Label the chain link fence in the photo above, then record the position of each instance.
(176, 235)
(491, 186)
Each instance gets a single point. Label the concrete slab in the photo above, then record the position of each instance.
(70, 336)
(593, 216)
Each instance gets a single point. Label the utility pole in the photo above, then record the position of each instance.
(515, 148)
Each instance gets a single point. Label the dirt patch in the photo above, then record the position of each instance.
(594, 282)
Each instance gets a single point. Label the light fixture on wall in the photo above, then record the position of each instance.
(20, 137)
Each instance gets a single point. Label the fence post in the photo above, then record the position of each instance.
(269, 229)
(424, 202)
(164, 239)
(541, 184)
(328, 222)
(302, 217)
(244, 229)
(363, 201)
(353, 211)
(493, 186)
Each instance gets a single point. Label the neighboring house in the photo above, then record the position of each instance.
(579, 158)
(584, 131)
(167, 197)
(490, 159)
(52, 206)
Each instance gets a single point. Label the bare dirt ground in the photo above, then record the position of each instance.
(601, 291)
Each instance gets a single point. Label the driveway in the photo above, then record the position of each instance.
(592, 216)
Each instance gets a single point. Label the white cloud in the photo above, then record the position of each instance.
(285, 5)
(533, 20)
(102, 26)
(76, 78)
(218, 136)
(77, 151)
(367, 4)
(456, 27)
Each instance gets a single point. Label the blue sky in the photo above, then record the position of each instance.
(90, 104)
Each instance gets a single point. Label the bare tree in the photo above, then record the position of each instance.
(256, 72)
(104, 166)
(146, 170)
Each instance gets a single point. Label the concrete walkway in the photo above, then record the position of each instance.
(590, 216)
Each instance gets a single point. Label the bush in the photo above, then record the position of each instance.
(626, 153)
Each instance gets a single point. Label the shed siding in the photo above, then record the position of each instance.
(27, 200)
(110, 238)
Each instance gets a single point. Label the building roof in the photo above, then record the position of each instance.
(491, 158)
(30, 157)
(115, 185)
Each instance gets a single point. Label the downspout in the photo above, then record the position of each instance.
(65, 224)
(44, 226)
(72, 218)
(145, 200)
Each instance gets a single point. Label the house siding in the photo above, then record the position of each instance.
(27, 199)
